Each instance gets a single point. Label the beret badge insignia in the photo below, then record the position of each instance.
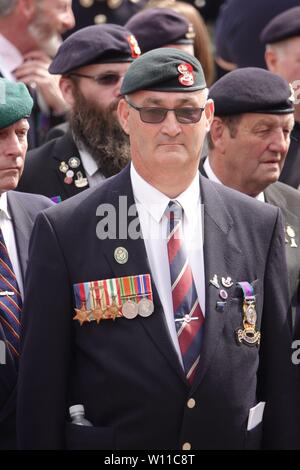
(186, 77)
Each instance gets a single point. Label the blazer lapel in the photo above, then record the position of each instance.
(155, 324)
(64, 150)
(221, 257)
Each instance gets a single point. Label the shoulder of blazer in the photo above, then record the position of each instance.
(283, 196)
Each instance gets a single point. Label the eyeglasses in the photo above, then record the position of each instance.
(106, 79)
(156, 115)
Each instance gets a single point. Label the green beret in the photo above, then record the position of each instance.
(164, 69)
(15, 102)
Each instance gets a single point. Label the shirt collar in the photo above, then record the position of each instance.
(4, 206)
(10, 58)
(211, 175)
(155, 202)
(88, 161)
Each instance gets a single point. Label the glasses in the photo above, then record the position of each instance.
(156, 115)
(106, 79)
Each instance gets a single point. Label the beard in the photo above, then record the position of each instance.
(100, 133)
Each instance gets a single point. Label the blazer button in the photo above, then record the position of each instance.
(191, 403)
(187, 446)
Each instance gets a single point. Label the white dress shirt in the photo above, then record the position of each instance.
(211, 175)
(93, 175)
(7, 228)
(151, 205)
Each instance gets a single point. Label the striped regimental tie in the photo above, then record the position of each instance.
(10, 301)
(188, 316)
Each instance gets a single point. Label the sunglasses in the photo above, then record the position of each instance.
(156, 115)
(106, 79)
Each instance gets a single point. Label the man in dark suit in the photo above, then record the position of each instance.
(281, 38)
(17, 215)
(168, 343)
(30, 34)
(249, 140)
(92, 63)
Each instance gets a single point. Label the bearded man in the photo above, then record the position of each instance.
(92, 63)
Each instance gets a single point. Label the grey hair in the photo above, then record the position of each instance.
(7, 6)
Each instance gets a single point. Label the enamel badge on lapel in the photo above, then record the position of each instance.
(249, 335)
(214, 281)
(113, 298)
(290, 235)
(121, 255)
(68, 169)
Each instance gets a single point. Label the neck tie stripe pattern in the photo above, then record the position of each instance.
(10, 306)
(188, 316)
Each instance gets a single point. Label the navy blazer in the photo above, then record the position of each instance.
(126, 373)
(23, 209)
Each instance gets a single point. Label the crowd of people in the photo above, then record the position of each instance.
(149, 225)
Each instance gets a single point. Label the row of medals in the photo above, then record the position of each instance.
(130, 309)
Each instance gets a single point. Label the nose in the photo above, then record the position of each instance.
(170, 125)
(68, 20)
(13, 146)
(117, 88)
(280, 142)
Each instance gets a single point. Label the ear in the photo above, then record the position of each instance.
(27, 8)
(271, 59)
(123, 115)
(67, 89)
(209, 113)
(217, 131)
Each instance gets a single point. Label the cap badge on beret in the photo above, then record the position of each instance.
(134, 47)
(186, 77)
(190, 34)
(292, 97)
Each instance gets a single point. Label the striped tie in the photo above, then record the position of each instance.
(188, 316)
(10, 301)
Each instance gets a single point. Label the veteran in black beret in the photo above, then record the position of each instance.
(162, 27)
(92, 63)
(281, 38)
(248, 143)
(149, 291)
(17, 215)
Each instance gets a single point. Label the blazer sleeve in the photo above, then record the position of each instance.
(47, 319)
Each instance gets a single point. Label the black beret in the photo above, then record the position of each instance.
(158, 27)
(283, 26)
(164, 69)
(251, 90)
(95, 44)
(15, 102)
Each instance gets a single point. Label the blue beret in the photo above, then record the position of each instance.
(251, 90)
(283, 26)
(158, 27)
(95, 44)
(164, 69)
(15, 102)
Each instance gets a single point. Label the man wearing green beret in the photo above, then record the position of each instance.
(154, 300)
(17, 214)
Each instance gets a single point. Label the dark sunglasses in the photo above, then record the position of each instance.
(106, 79)
(156, 115)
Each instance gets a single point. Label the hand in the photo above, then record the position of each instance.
(34, 72)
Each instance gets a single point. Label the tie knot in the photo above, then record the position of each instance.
(174, 210)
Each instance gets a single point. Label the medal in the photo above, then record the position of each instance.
(130, 309)
(80, 181)
(145, 307)
(74, 162)
(63, 167)
(249, 335)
